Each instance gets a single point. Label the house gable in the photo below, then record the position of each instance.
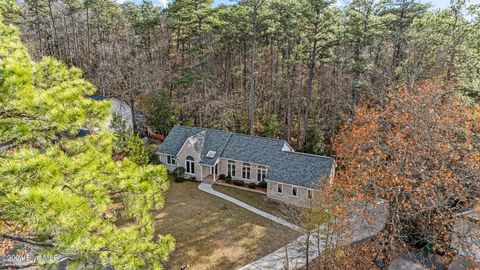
(188, 149)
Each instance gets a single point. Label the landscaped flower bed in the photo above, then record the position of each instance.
(260, 187)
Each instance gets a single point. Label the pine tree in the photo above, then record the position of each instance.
(68, 195)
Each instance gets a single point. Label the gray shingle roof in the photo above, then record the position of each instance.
(284, 166)
(215, 140)
(176, 138)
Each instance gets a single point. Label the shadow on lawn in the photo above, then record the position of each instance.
(214, 234)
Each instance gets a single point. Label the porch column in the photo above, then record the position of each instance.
(213, 168)
(201, 172)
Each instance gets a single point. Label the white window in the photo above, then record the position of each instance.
(214, 169)
(261, 173)
(190, 165)
(310, 194)
(294, 191)
(231, 168)
(279, 188)
(246, 171)
(171, 160)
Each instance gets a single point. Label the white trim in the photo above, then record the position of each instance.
(181, 148)
(172, 158)
(262, 169)
(249, 171)
(296, 191)
(287, 148)
(310, 191)
(243, 161)
(281, 188)
(186, 167)
(268, 180)
(226, 169)
(195, 150)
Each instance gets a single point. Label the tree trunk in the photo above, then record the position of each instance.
(356, 77)
(290, 78)
(253, 74)
(54, 30)
(88, 36)
(75, 38)
(132, 107)
(308, 98)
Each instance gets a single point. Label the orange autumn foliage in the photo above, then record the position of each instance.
(6, 245)
(420, 152)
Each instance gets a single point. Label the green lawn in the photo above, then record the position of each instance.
(212, 233)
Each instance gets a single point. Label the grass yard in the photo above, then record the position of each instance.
(257, 200)
(212, 233)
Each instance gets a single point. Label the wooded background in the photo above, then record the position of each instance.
(292, 69)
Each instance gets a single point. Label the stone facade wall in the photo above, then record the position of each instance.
(286, 196)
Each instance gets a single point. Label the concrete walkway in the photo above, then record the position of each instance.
(208, 188)
(292, 256)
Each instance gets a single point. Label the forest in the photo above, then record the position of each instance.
(291, 69)
(390, 89)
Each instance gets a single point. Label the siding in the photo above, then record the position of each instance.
(163, 160)
(222, 169)
(187, 150)
(301, 200)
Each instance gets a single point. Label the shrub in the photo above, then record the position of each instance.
(262, 184)
(179, 174)
(228, 179)
(154, 159)
(252, 185)
(193, 178)
(238, 182)
(136, 149)
(221, 177)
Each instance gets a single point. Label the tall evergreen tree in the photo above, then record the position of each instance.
(66, 193)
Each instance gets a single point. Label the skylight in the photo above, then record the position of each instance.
(211, 154)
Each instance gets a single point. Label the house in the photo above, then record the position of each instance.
(291, 177)
(119, 107)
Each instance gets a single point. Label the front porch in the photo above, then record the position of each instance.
(209, 173)
(209, 179)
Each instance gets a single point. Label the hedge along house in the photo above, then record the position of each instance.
(291, 177)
